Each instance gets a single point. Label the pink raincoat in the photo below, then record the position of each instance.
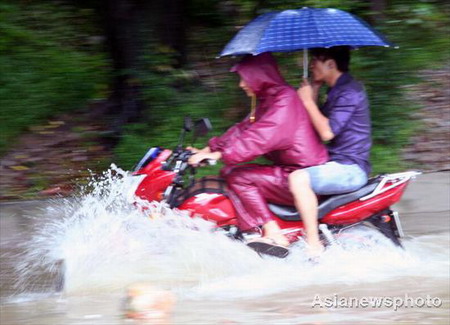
(282, 132)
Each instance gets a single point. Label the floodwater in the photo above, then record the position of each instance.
(107, 246)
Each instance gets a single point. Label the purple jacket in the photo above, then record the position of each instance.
(282, 131)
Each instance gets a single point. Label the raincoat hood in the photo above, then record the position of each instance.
(260, 73)
(281, 130)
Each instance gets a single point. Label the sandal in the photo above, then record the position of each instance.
(268, 246)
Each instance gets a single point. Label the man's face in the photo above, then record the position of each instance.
(320, 69)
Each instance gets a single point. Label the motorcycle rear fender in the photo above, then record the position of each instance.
(359, 210)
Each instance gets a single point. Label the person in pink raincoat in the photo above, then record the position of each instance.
(278, 129)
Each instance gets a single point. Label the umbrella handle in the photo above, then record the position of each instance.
(305, 63)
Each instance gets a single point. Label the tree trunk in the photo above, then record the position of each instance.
(126, 21)
(378, 7)
(121, 34)
(171, 27)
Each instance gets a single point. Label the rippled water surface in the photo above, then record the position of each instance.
(107, 245)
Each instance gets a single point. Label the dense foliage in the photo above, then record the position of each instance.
(419, 29)
(48, 66)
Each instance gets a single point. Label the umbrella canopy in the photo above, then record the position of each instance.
(292, 30)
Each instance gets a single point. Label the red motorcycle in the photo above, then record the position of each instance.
(164, 174)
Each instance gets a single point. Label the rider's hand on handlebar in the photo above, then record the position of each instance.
(195, 150)
(197, 158)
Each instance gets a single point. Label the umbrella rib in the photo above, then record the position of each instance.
(292, 30)
(258, 31)
(316, 26)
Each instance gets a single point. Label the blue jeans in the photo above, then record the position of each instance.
(335, 178)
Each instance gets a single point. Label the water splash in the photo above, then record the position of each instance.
(106, 243)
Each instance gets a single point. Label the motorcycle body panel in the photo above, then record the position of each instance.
(358, 210)
(211, 206)
(217, 207)
(156, 181)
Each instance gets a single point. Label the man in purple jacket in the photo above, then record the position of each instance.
(343, 121)
(279, 129)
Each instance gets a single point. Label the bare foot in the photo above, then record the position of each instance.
(272, 231)
(315, 250)
(279, 240)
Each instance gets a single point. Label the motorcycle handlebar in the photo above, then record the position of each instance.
(210, 162)
(179, 161)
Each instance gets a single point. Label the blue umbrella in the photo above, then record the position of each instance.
(293, 30)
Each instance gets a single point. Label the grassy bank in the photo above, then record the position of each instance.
(51, 62)
(47, 65)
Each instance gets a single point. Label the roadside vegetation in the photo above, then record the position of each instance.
(47, 65)
(54, 59)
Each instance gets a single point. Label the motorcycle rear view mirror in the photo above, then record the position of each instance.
(187, 127)
(202, 127)
(187, 124)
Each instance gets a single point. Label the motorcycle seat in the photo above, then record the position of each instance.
(327, 204)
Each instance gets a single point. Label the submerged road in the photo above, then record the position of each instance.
(213, 287)
(425, 206)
